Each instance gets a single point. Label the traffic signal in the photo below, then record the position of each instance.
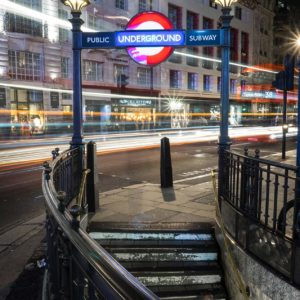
(279, 80)
(243, 86)
(124, 80)
(289, 65)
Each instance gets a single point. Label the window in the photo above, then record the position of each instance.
(34, 4)
(207, 51)
(175, 79)
(122, 4)
(24, 65)
(244, 47)
(219, 83)
(238, 12)
(15, 23)
(175, 58)
(233, 86)
(208, 23)
(193, 81)
(175, 15)
(192, 61)
(192, 20)
(233, 44)
(144, 77)
(143, 5)
(64, 63)
(63, 34)
(66, 96)
(120, 70)
(92, 70)
(207, 83)
(92, 21)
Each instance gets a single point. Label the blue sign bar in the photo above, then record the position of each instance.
(150, 38)
(98, 40)
(204, 37)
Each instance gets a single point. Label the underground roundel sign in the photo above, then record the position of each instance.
(150, 20)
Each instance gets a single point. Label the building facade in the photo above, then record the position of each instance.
(36, 68)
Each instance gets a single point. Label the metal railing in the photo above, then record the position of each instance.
(258, 209)
(78, 267)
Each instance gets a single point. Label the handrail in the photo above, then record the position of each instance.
(255, 202)
(264, 160)
(114, 280)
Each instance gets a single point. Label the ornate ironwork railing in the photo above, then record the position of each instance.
(78, 267)
(258, 209)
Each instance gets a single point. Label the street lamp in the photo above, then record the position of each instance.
(76, 7)
(224, 141)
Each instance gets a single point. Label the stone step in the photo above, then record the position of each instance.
(148, 266)
(173, 236)
(190, 292)
(156, 243)
(178, 278)
(160, 255)
(174, 264)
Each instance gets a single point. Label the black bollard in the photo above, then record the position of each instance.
(92, 190)
(166, 176)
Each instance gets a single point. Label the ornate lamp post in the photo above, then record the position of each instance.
(76, 7)
(224, 141)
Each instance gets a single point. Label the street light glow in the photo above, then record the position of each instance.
(76, 5)
(298, 41)
(225, 3)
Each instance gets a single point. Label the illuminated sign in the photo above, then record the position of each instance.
(149, 21)
(259, 94)
(132, 102)
(98, 40)
(204, 37)
(151, 38)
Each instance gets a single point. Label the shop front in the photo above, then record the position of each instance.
(27, 112)
(133, 114)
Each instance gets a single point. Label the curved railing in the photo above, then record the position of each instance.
(78, 267)
(259, 211)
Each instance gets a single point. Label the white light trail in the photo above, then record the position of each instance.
(218, 61)
(34, 14)
(130, 141)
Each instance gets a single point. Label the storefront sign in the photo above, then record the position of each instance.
(134, 102)
(259, 94)
(2, 97)
(54, 99)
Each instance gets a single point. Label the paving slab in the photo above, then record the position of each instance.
(147, 203)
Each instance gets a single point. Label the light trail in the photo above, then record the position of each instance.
(131, 141)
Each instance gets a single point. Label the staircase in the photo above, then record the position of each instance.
(174, 264)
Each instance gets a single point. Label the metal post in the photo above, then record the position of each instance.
(296, 229)
(92, 190)
(77, 90)
(166, 175)
(224, 141)
(284, 124)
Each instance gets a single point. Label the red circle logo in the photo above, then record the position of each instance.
(150, 20)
